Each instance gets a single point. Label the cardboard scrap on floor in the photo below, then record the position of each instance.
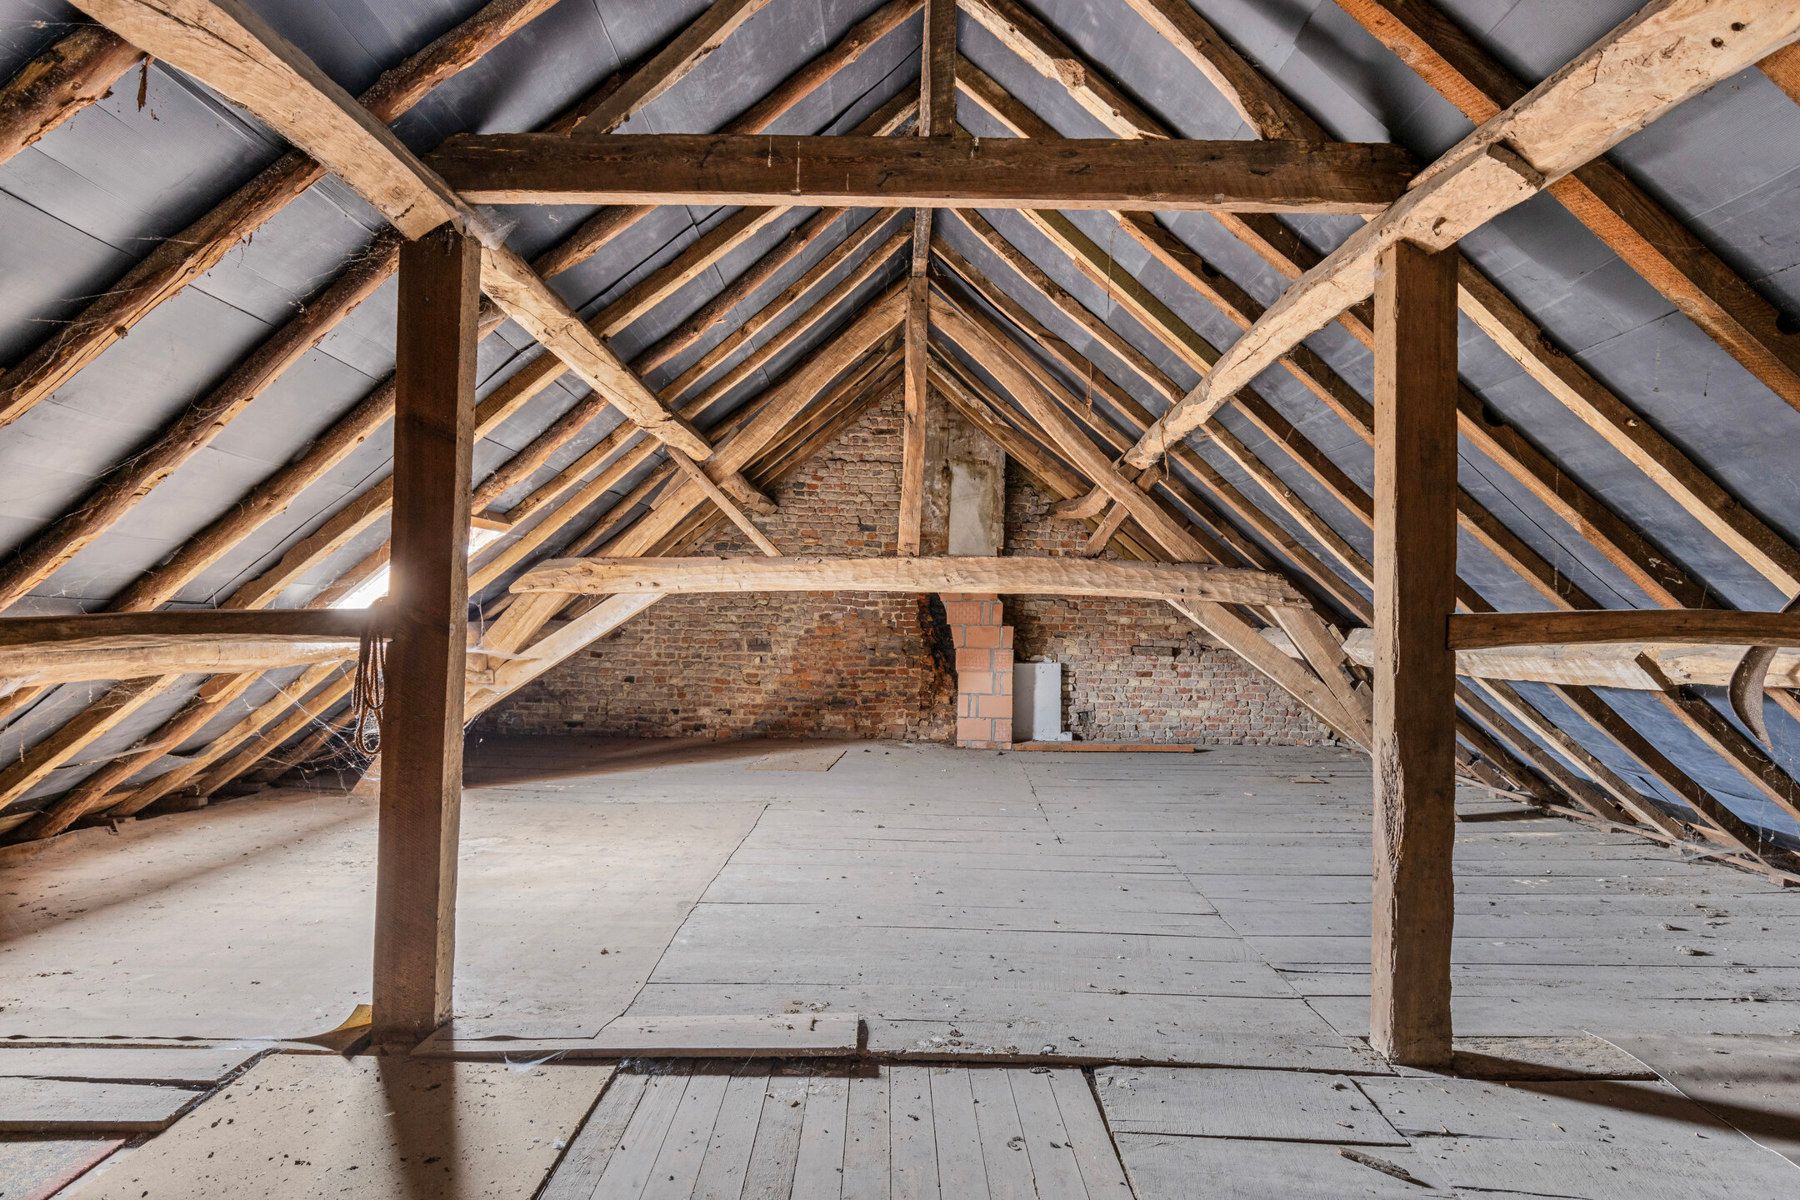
(307, 1127)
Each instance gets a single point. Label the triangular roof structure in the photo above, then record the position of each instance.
(199, 326)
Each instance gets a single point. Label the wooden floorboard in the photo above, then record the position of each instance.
(924, 972)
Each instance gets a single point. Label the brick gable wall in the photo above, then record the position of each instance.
(881, 666)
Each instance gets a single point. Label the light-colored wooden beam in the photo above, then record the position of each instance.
(422, 719)
(912, 421)
(227, 46)
(1668, 52)
(529, 168)
(1601, 664)
(189, 253)
(1649, 238)
(150, 658)
(1415, 674)
(1071, 576)
(1256, 100)
(73, 72)
(1668, 626)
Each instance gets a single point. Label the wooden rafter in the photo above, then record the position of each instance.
(1593, 519)
(185, 257)
(1634, 225)
(668, 67)
(1669, 51)
(72, 73)
(230, 48)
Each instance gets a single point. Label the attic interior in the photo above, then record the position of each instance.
(989, 598)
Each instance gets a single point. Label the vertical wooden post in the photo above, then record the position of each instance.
(937, 118)
(1415, 670)
(912, 423)
(422, 720)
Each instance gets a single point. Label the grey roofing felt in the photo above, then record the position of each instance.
(80, 206)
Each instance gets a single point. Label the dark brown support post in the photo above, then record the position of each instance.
(1415, 670)
(421, 777)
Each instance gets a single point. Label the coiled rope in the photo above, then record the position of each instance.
(369, 691)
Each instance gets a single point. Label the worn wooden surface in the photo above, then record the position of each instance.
(308, 1126)
(1204, 916)
(895, 1130)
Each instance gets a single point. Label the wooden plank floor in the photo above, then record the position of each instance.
(1208, 909)
(1079, 975)
(960, 1133)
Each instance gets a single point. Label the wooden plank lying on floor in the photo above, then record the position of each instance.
(787, 1035)
(304, 1125)
(134, 1064)
(1286, 1106)
(90, 1106)
(913, 1131)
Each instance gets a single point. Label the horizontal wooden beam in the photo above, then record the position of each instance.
(1234, 176)
(1669, 51)
(36, 666)
(1192, 582)
(38, 651)
(1601, 664)
(1670, 626)
(343, 624)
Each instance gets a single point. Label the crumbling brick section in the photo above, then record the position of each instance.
(984, 670)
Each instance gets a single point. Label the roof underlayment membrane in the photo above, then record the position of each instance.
(81, 205)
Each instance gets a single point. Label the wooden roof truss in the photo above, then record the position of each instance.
(936, 322)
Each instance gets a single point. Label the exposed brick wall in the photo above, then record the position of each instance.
(857, 665)
(842, 665)
(1136, 670)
